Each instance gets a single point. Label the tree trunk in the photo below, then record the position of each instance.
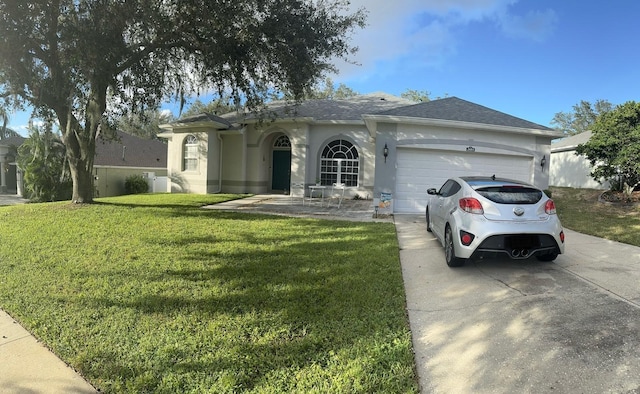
(80, 144)
(82, 177)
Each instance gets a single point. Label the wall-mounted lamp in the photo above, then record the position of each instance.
(543, 161)
(385, 152)
(471, 149)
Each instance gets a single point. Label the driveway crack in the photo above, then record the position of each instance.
(508, 285)
(502, 281)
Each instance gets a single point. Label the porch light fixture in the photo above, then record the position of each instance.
(543, 161)
(385, 152)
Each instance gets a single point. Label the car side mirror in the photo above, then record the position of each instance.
(432, 192)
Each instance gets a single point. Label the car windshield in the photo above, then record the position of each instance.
(511, 194)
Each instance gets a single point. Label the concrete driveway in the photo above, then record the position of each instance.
(502, 326)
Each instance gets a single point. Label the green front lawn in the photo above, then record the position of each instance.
(579, 210)
(153, 294)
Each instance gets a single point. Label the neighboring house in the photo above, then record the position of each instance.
(9, 176)
(570, 170)
(129, 155)
(380, 146)
(115, 161)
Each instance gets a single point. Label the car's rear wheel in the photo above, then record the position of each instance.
(547, 257)
(427, 217)
(449, 250)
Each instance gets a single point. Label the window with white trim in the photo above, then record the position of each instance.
(339, 163)
(190, 153)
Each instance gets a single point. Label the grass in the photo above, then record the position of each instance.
(151, 293)
(580, 210)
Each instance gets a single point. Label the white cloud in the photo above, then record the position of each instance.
(425, 30)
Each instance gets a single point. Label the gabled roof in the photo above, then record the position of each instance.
(131, 151)
(368, 108)
(456, 109)
(571, 142)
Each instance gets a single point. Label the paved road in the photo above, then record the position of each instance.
(499, 326)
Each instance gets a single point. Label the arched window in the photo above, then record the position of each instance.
(282, 142)
(190, 153)
(339, 163)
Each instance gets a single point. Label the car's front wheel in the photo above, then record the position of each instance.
(449, 250)
(427, 217)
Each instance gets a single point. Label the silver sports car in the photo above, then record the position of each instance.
(477, 216)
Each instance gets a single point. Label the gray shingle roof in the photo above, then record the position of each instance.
(331, 110)
(455, 109)
(204, 117)
(450, 108)
(571, 142)
(12, 141)
(138, 152)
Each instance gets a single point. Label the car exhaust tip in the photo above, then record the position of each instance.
(515, 253)
(524, 253)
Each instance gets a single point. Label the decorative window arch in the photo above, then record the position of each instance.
(282, 143)
(190, 153)
(339, 163)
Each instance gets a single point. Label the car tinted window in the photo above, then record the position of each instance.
(511, 195)
(449, 188)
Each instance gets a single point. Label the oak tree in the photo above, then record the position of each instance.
(88, 62)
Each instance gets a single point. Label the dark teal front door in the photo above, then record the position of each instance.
(281, 170)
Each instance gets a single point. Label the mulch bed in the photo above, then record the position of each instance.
(620, 197)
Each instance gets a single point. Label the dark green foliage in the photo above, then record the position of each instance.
(614, 147)
(42, 160)
(136, 184)
(145, 125)
(87, 63)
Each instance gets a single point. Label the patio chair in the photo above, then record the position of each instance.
(297, 188)
(338, 190)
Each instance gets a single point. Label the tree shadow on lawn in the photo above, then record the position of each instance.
(287, 308)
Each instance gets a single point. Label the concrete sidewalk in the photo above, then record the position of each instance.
(26, 366)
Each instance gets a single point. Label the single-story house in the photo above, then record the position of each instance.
(128, 155)
(380, 146)
(570, 170)
(115, 160)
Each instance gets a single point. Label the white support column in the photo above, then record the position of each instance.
(3, 177)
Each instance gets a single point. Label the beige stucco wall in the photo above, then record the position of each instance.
(247, 157)
(110, 180)
(193, 181)
(570, 170)
(247, 154)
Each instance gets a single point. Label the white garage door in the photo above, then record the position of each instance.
(420, 169)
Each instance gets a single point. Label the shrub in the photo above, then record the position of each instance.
(136, 184)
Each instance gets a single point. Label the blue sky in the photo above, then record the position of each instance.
(527, 58)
